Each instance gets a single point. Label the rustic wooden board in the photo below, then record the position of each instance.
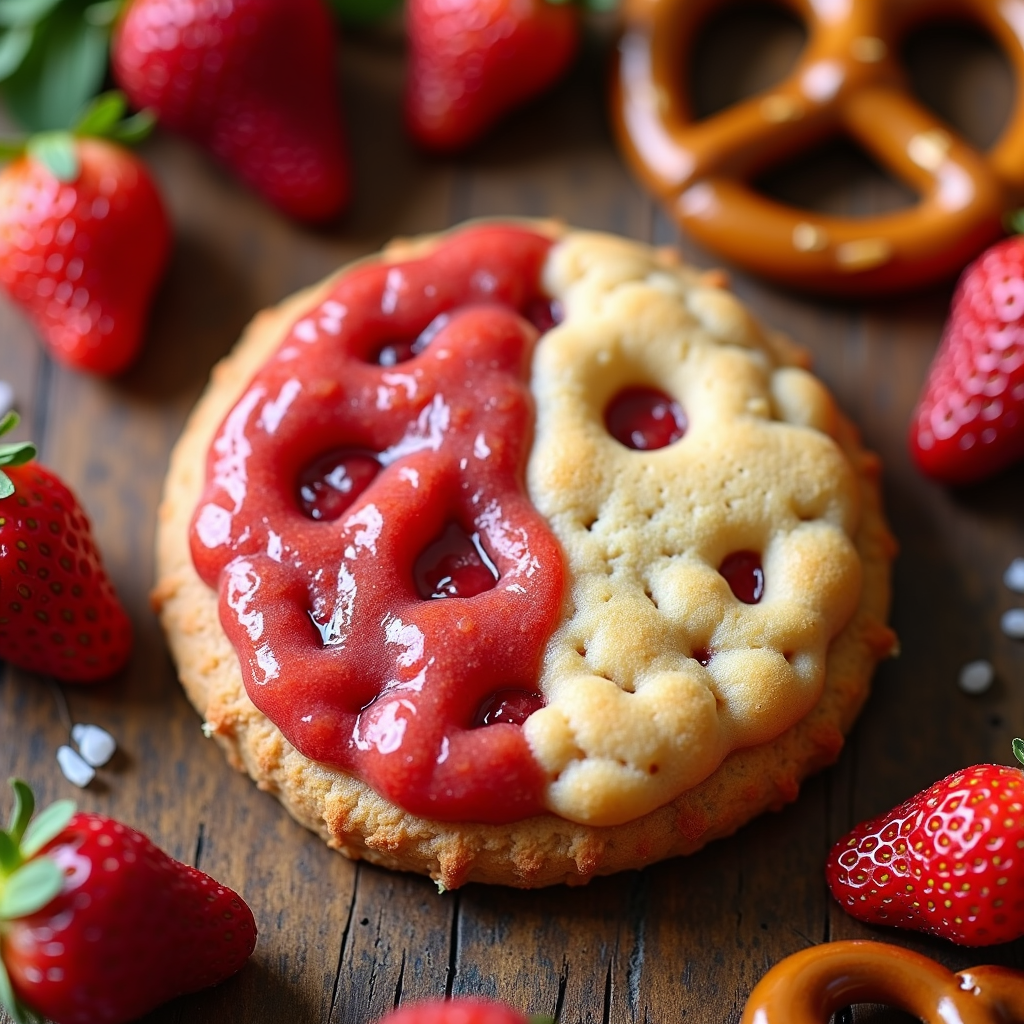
(687, 939)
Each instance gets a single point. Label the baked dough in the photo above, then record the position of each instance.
(650, 752)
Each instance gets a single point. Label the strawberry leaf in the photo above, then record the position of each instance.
(135, 128)
(21, 813)
(14, 46)
(104, 13)
(48, 825)
(102, 114)
(56, 152)
(1018, 749)
(30, 888)
(25, 12)
(10, 858)
(20, 1013)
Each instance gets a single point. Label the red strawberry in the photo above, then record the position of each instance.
(969, 422)
(949, 861)
(97, 924)
(254, 82)
(458, 1011)
(59, 614)
(472, 61)
(82, 252)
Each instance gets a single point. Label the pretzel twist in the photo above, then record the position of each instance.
(809, 986)
(847, 81)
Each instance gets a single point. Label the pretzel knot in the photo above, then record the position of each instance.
(847, 81)
(809, 986)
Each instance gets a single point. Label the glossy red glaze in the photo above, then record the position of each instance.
(644, 418)
(742, 571)
(336, 644)
(454, 565)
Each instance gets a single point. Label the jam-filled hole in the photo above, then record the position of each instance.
(511, 707)
(332, 481)
(645, 418)
(702, 655)
(391, 353)
(743, 572)
(456, 564)
(544, 313)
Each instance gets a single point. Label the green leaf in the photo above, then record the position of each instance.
(14, 46)
(10, 858)
(17, 454)
(6, 487)
(1014, 222)
(30, 888)
(135, 128)
(25, 12)
(56, 151)
(9, 421)
(102, 114)
(47, 825)
(21, 813)
(1018, 749)
(104, 13)
(20, 1014)
(63, 70)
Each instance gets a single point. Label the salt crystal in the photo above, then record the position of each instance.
(976, 676)
(96, 745)
(74, 767)
(1012, 623)
(6, 398)
(1014, 575)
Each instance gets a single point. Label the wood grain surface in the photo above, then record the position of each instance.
(683, 940)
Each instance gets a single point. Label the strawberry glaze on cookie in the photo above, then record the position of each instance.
(383, 576)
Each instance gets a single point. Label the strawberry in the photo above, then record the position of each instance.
(83, 241)
(59, 614)
(254, 82)
(98, 924)
(969, 421)
(459, 1011)
(472, 61)
(949, 861)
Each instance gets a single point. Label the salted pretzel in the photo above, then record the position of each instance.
(848, 81)
(809, 986)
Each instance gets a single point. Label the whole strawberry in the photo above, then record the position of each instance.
(59, 614)
(84, 239)
(254, 82)
(949, 861)
(969, 421)
(459, 1011)
(97, 924)
(472, 61)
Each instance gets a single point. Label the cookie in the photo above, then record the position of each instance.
(521, 554)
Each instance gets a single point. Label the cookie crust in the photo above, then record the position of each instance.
(538, 851)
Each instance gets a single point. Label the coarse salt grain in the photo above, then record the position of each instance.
(96, 745)
(74, 767)
(976, 676)
(1012, 623)
(1014, 576)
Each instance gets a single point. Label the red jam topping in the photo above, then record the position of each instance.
(374, 465)
(742, 571)
(644, 418)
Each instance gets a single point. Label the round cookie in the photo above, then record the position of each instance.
(673, 711)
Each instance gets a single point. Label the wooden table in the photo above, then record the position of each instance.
(683, 940)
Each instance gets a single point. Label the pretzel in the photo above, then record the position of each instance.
(847, 81)
(809, 986)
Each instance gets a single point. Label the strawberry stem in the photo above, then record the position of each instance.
(16, 453)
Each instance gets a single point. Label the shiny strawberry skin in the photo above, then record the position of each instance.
(83, 258)
(472, 61)
(969, 422)
(254, 82)
(59, 614)
(130, 929)
(455, 1011)
(949, 861)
